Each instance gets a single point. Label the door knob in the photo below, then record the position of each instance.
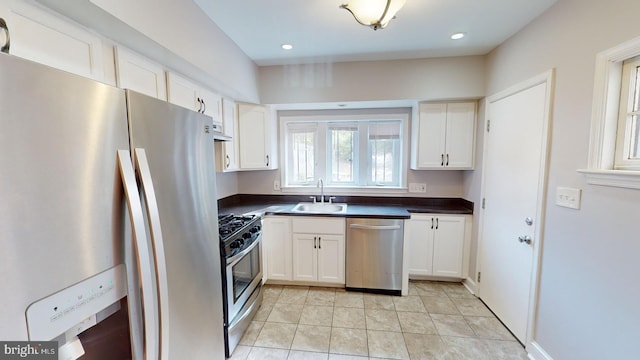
(525, 239)
(528, 221)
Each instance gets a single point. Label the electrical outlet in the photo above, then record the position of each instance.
(276, 185)
(417, 187)
(568, 197)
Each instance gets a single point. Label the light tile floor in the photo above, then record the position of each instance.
(438, 320)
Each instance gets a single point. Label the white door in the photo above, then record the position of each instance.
(331, 259)
(460, 134)
(254, 134)
(447, 246)
(432, 134)
(419, 235)
(277, 258)
(514, 178)
(305, 257)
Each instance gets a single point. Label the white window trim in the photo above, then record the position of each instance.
(604, 119)
(365, 114)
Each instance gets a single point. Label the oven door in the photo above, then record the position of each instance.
(244, 275)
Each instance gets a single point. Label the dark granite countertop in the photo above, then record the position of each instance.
(358, 206)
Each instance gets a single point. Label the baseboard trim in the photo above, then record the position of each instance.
(536, 352)
(470, 285)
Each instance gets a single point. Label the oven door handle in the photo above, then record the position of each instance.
(237, 257)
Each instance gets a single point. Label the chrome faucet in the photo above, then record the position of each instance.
(321, 186)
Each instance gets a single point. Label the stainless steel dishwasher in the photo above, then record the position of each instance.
(374, 255)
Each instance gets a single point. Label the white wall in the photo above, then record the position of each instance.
(226, 184)
(589, 292)
(421, 79)
(439, 183)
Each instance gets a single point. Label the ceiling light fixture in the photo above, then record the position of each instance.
(457, 36)
(287, 46)
(373, 13)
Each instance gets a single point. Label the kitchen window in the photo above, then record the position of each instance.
(628, 137)
(614, 149)
(353, 150)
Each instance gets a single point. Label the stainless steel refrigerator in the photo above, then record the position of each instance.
(108, 220)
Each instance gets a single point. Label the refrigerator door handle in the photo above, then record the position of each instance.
(145, 265)
(142, 165)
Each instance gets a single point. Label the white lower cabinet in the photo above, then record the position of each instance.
(276, 246)
(436, 245)
(318, 249)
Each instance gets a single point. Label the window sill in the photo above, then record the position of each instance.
(616, 178)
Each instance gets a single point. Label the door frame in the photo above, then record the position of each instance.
(547, 78)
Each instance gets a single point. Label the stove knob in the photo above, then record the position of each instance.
(246, 235)
(254, 229)
(236, 244)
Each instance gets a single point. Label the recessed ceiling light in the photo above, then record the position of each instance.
(457, 36)
(287, 46)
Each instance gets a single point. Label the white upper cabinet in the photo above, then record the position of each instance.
(227, 151)
(188, 94)
(139, 74)
(444, 136)
(256, 136)
(212, 105)
(41, 36)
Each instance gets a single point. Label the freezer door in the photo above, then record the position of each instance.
(62, 210)
(179, 149)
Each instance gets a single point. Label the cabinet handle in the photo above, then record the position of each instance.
(314, 242)
(432, 223)
(447, 159)
(7, 44)
(437, 223)
(204, 108)
(267, 160)
(228, 161)
(319, 242)
(199, 104)
(441, 159)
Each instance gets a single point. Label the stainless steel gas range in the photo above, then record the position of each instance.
(240, 248)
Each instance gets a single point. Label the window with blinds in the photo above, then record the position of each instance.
(345, 152)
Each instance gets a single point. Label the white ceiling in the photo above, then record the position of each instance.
(322, 32)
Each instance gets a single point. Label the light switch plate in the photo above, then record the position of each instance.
(276, 185)
(568, 197)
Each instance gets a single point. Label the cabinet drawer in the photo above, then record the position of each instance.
(317, 225)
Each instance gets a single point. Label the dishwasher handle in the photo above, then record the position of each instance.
(374, 227)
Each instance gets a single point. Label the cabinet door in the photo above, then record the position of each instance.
(139, 74)
(331, 259)
(40, 36)
(183, 92)
(212, 104)
(254, 133)
(305, 264)
(448, 246)
(276, 235)
(460, 135)
(432, 124)
(419, 234)
(227, 151)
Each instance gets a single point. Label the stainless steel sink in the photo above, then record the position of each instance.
(320, 208)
